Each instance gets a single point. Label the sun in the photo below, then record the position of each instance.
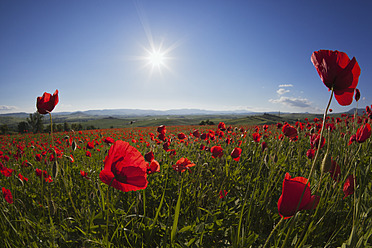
(156, 58)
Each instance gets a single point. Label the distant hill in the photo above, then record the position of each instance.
(142, 112)
(352, 111)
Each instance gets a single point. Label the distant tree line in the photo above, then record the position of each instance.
(35, 124)
(206, 122)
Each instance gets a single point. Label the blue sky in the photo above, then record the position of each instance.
(217, 55)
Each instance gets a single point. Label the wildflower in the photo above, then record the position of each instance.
(161, 129)
(84, 174)
(236, 153)
(217, 151)
(223, 194)
(291, 194)
(310, 153)
(256, 137)
(363, 133)
(43, 174)
(337, 72)
(7, 172)
(88, 154)
(182, 164)
(47, 102)
(263, 146)
(90, 145)
(290, 132)
(335, 171)
(221, 126)
(149, 156)
(153, 167)
(22, 178)
(125, 168)
(181, 136)
(349, 186)
(314, 141)
(109, 140)
(196, 133)
(7, 195)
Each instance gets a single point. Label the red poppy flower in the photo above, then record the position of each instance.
(290, 132)
(22, 178)
(263, 146)
(221, 126)
(149, 156)
(223, 194)
(166, 146)
(84, 174)
(172, 152)
(291, 194)
(314, 141)
(217, 151)
(196, 133)
(7, 195)
(310, 153)
(47, 102)
(162, 136)
(109, 140)
(153, 167)
(88, 154)
(235, 154)
(125, 168)
(90, 145)
(43, 174)
(363, 133)
(182, 164)
(204, 136)
(335, 171)
(181, 136)
(337, 71)
(256, 137)
(349, 186)
(5, 171)
(161, 129)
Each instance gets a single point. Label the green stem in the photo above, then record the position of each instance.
(320, 137)
(312, 167)
(107, 214)
(51, 127)
(272, 232)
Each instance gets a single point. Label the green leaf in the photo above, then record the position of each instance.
(176, 215)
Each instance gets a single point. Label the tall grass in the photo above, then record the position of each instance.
(184, 209)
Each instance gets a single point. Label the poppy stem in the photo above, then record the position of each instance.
(272, 232)
(320, 137)
(313, 165)
(51, 126)
(107, 214)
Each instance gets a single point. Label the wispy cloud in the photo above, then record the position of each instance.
(292, 102)
(5, 108)
(282, 91)
(285, 85)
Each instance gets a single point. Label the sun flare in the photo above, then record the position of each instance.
(156, 58)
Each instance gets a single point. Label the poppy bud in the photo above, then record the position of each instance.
(357, 95)
(326, 163)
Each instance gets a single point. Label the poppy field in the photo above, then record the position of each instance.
(302, 184)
